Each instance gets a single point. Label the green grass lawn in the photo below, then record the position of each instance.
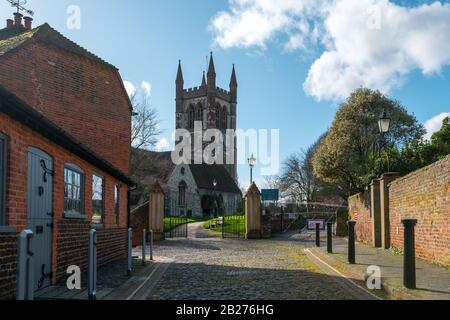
(232, 224)
(173, 222)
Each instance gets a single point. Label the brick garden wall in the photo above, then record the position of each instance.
(424, 195)
(360, 204)
(73, 245)
(8, 256)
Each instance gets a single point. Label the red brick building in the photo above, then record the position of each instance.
(65, 122)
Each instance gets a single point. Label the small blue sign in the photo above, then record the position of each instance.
(270, 194)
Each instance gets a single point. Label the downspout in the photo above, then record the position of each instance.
(128, 204)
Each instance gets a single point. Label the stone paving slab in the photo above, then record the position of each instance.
(109, 277)
(62, 293)
(433, 282)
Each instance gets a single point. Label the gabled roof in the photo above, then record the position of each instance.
(148, 167)
(10, 40)
(205, 174)
(28, 116)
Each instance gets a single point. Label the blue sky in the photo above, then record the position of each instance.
(280, 64)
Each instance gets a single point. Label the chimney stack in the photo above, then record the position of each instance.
(28, 21)
(9, 23)
(18, 19)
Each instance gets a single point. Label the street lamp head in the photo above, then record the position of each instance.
(384, 123)
(252, 161)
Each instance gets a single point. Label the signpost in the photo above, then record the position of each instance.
(313, 222)
(270, 194)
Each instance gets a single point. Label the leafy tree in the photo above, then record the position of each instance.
(440, 141)
(414, 155)
(346, 154)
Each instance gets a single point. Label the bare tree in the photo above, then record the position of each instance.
(297, 180)
(144, 127)
(271, 182)
(300, 184)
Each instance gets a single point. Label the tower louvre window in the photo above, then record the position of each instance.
(218, 117)
(223, 118)
(199, 113)
(191, 116)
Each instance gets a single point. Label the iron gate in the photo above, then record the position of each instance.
(233, 227)
(176, 227)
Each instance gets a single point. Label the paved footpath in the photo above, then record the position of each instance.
(209, 268)
(433, 282)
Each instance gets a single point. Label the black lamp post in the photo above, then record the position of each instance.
(251, 163)
(215, 197)
(384, 124)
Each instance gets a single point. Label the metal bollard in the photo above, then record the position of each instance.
(130, 252)
(144, 246)
(25, 279)
(409, 258)
(351, 242)
(330, 237)
(151, 245)
(317, 234)
(92, 267)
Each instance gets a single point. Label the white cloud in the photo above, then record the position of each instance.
(435, 124)
(130, 88)
(146, 88)
(372, 43)
(254, 22)
(162, 144)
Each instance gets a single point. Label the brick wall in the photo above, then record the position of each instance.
(8, 256)
(424, 195)
(359, 205)
(84, 97)
(70, 236)
(73, 245)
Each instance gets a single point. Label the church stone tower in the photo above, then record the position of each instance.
(213, 106)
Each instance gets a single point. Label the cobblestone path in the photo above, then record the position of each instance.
(216, 269)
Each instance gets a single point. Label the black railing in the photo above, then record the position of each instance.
(176, 227)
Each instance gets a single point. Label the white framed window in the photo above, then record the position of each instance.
(98, 199)
(73, 191)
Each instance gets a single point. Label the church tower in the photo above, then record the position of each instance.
(213, 106)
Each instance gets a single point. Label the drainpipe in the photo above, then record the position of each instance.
(130, 189)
